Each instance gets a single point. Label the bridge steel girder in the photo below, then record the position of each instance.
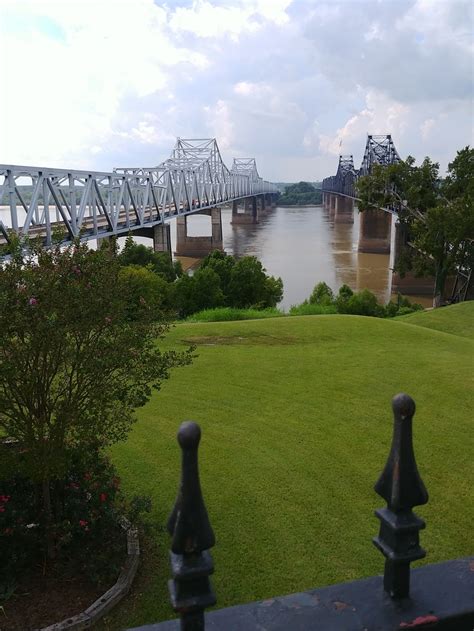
(379, 149)
(91, 204)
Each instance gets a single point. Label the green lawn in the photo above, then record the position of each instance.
(456, 319)
(296, 423)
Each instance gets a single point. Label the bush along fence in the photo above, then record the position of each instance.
(439, 596)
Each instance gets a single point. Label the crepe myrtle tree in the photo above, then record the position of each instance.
(436, 214)
(73, 364)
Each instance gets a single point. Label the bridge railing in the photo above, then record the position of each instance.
(441, 596)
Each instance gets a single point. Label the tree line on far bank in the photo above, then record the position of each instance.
(302, 193)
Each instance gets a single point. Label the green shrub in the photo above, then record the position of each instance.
(88, 510)
(83, 345)
(146, 288)
(160, 262)
(362, 303)
(322, 295)
(224, 314)
(198, 292)
(306, 308)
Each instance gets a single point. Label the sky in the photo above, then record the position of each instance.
(98, 84)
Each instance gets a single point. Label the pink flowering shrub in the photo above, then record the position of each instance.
(87, 514)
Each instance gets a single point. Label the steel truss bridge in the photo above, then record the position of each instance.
(378, 150)
(90, 205)
(381, 150)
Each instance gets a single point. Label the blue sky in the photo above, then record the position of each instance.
(96, 84)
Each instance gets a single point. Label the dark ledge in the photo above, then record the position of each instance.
(442, 597)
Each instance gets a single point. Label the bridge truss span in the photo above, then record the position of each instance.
(379, 149)
(38, 202)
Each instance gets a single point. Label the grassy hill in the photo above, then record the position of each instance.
(296, 422)
(456, 319)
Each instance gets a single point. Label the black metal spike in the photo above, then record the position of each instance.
(401, 486)
(192, 536)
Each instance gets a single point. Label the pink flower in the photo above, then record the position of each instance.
(108, 319)
(83, 523)
(2, 509)
(33, 302)
(103, 497)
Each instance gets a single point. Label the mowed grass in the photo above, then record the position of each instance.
(296, 427)
(456, 319)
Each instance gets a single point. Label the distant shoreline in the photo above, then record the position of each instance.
(298, 205)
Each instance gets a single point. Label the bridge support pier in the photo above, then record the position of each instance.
(250, 214)
(344, 210)
(332, 206)
(375, 232)
(409, 285)
(161, 235)
(199, 247)
(326, 202)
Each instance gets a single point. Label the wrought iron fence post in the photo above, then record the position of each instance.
(402, 487)
(192, 536)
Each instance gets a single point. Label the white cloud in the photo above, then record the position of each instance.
(209, 20)
(220, 123)
(427, 127)
(67, 91)
(412, 132)
(380, 116)
(102, 83)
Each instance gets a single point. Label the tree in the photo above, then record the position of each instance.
(321, 295)
(244, 283)
(301, 193)
(436, 215)
(222, 264)
(73, 364)
(160, 262)
(146, 287)
(249, 286)
(197, 292)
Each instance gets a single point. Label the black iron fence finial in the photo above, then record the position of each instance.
(401, 486)
(192, 536)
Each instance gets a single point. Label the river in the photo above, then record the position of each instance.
(304, 247)
(301, 245)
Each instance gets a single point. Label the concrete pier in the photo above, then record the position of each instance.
(199, 247)
(332, 206)
(160, 234)
(344, 210)
(249, 214)
(409, 285)
(375, 231)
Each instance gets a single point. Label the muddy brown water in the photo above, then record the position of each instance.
(303, 246)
